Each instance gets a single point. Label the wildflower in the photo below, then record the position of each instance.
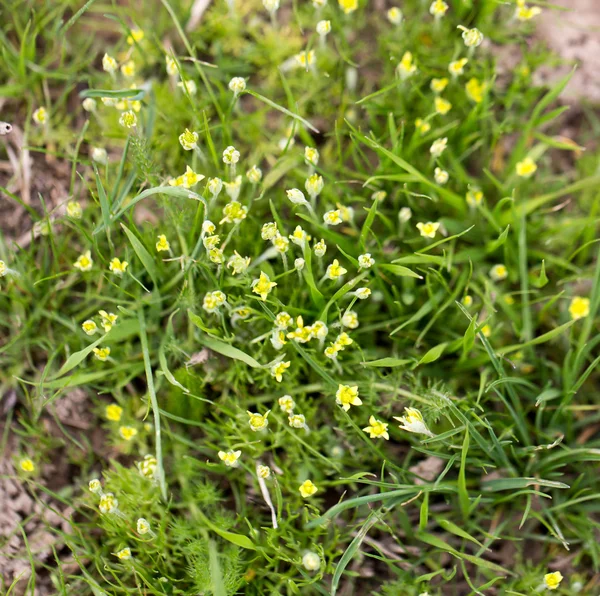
(283, 320)
(394, 15)
(299, 237)
(162, 244)
(108, 319)
(311, 561)
(108, 503)
(278, 339)
(343, 339)
(143, 527)
(113, 412)
(110, 102)
(84, 261)
(314, 185)
(271, 5)
(109, 64)
(305, 59)
(89, 104)
(362, 293)
(296, 196)
(171, 66)
(237, 85)
(128, 119)
(348, 6)
(475, 90)
(128, 69)
(241, 312)
(467, 300)
(526, 13)
(124, 554)
(100, 155)
(102, 354)
(286, 403)
(366, 261)
(89, 327)
(258, 421)
(94, 486)
(214, 185)
(413, 422)
(254, 175)
(188, 179)
(117, 266)
(263, 471)
(216, 255)
(486, 330)
(406, 67)
(438, 147)
(347, 396)
(148, 466)
(234, 212)
(350, 320)
(323, 28)
(474, 197)
(238, 263)
(188, 139)
(281, 243)
(263, 285)
(213, 300)
(428, 229)
(508, 299)
(299, 264)
(526, 168)
(457, 67)
(552, 580)
(471, 37)
(331, 351)
(211, 242)
(579, 307)
(333, 218)
(127, 432)
(277, 370)
(379, 195)
(208, 227)
(377, 429)
(302, 333)
(346, 213)
(441, 176)
(498, 272)
(442, 106)
(438, 85)
(297, 420)
(404, 214)
(320, 248)
(335, 270)
(307, 488)
(230, 458)
(311, 156)
(319, 330)
(188, 86)
(269, 231)
(74, 209)
(135, 37)
(27, 465)
(438, 8)
(3, 269)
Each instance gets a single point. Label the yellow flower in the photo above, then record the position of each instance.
(113, 412)
(3, 269)
(127, 432)
(428, 229)
(234, 212)
(94, 486)
(350, 320)
(188, 139)
(254, 174)
(286, 403)
(27, 465)
(238, 263)
(441, 176)
(413, 422)
(438, 85)
(406, 67)
(102, 354)
(297, 421)
(162, 244)
(438, 8)
(471, 37)
(74, 209)
(305, 59)
(347, 396)
(335, 270)
(526, 168)
(499, 272)
(108, 503)
(109, 64)
(486, 330)
(552, 580)
(187, 180)
(343, 339)
(84, 261)
(348, 6)
(311, 156)
(579, 307)
(231, 155)
(263, 285)
(128, 119)
(525, 13)
(263, 471)
(394, 15)
(323, 28)
(422, 126)
(377, 429)
(474, 197)
(457, 67)
(89, 327)
(258, 421)
(283, 320)
(314, 185)
(333, 218)
(171, 66)
(475, 90)
(438, 146)
(148, 466)
(117, 266)
(508, 299)
(320, 248)
(442, 106)
(108, 319)
(230, 458)
(277, 370)
(307, 488)
(136, 36)
(124, 554)
(467, 300)
(237, 85)
(143, 527)
(128, 69)
(269, 231)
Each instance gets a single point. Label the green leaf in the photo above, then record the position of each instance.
(463, 493)
(499, 241)
(400, 271)
(433, 354)
(543, 278)
(388, 362)
(143, 255)
(237, 539)
(454, 529)
(536, 340)
(368, 223)
(130, 94)
(228, 350)
(281, 109)
(517, 483)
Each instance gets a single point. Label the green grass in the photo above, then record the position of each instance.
(504, 490)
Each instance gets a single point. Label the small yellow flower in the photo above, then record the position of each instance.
(333, 218)
(108, 503)
(422, 126)
(474, 197)
(89, 104)
(109, 64)
(350, 320)
(343, 339)
(135, 37)
(441, 176)
(128, 119)
(162, 244)
(552, 580)
(231, 155)
(263, 285)
(428, 229)
(467, 300)
(311, 156)
(124, 554)
(438, 85)
(365, 261)
(486, 330)
(499, 272)
(526, 168)
(230, 458)
(128, 69)
(320, 248)
(3, 269)
(234, 212)
(311, 561)
(394, 15)
(348, 6)
(263, 472)
(94, 486)
(296, 196)
(508, 299)
(188, 139)
(347, 396)
(377, 429)
(442, 106)
(258, 422)
(237, 85)
(89, 327)
(307, 488)
(171, 66)
(314, 185)
(113, 412)
(188, 86)
(335, 270)
(471, 37)
(413, 422)
(143, 527)
(102, 354)
(406, 67)
(269, 231)
(297, 420)
(27, 465)
(278, 370)
(305, 59)
(475, 90)
(286, 403)
(127, 432)
(84, 261)
(323, 28)
(526, 13)
(148, 466)
(117, 266)
(438, 146)
(579, 307)
(74, 209)
(438, 8)
(237, 263)
(108, 319)
(254, 174)
(457, 67)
